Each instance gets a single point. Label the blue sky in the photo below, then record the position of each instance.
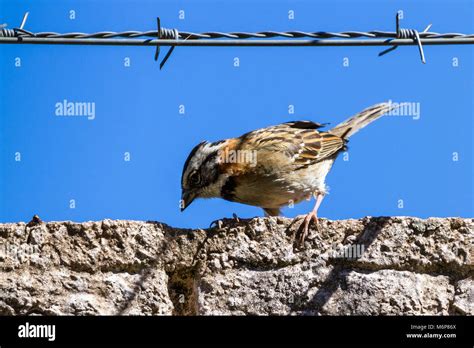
(394, 160)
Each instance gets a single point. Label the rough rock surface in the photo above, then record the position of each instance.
(393, 266)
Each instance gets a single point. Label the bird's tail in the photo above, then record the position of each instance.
(362, 119)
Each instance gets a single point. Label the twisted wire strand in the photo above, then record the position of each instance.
(166, 33)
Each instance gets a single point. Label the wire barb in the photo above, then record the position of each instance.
(23, 22)
(164, 34)
(16, 32)
(158, 30)
(407, 34)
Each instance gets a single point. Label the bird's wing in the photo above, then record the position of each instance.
(293, 145)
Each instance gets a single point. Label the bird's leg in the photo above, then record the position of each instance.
(313, 215)
(272, 211)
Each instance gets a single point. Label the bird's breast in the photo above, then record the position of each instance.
(271, 190)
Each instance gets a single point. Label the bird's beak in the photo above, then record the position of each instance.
(187, 197)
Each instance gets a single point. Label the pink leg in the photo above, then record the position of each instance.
(313, 215)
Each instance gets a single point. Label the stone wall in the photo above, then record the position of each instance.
(387, 266)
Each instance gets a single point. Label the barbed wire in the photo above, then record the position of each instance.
(170, 34)
(173, 37)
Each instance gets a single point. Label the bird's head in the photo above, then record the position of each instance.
(201, 176)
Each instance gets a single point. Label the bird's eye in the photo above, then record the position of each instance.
(194, 179)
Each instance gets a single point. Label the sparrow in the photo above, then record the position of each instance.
(272, 167)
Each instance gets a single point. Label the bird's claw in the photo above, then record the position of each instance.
(303, 230)
(236, 218)
(216, 223)
(219, 222)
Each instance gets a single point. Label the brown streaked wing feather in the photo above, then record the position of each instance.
(330, 145)
(318, 147)
(292, 144)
